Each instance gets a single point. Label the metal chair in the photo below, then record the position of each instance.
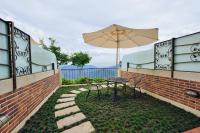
(135, 84)
(94, 87)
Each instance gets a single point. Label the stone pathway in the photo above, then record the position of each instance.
(70, 120)
(66, 106)
(75, 92)
(85, 127)
(68, 95)
(104, 86)
(66, 99)
(82, 89)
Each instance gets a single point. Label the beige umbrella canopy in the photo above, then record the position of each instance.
(116, 36)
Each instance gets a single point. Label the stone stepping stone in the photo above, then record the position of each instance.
(64, 105)
(85, 127)
(67, 121)
(104, 86)
(67, 111)
(111, 86)
(75, 91)
(68, 95)
(83, 89)
(120, 85)
(66, 99)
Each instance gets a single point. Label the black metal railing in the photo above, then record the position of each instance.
(139, 65)
(103, 73)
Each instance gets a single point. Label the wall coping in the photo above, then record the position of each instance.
(192, 76)
(7, 84)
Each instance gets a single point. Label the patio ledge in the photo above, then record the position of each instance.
(195, 130)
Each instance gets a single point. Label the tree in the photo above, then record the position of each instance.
(80, 59)
(62, 58)
(44, 46)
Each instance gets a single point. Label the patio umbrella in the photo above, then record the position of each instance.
(116, 36)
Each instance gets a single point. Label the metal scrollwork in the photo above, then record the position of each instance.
(20, 34)
(163, 51)
(163, 67)
(195, 49)
(22, 52)
(22, 70)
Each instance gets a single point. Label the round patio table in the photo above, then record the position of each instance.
(117, 80)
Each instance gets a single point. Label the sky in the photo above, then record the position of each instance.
(66, 20)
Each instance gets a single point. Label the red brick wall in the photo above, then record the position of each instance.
(22, 102)
(173, 89)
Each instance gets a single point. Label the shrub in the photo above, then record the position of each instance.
(67, 82)
(99, 80)
(82, 80)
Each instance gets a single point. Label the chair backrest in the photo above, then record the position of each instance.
(88, 82)
(136, 81)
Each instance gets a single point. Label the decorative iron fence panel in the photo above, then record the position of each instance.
(177, 54)
(5, 60)
(187, 53)
(163, 55)
(89, 72)
(22, 52)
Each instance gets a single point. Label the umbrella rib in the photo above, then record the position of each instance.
(131, 39)
(98, 37)
(109, 36)
(145, 36)
(149, 37)
(104, 42)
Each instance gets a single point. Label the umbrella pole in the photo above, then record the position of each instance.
(117, 55)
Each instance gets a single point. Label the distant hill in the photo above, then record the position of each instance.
(86, 66)
(72, 72)
(75, 67)
(114, 66)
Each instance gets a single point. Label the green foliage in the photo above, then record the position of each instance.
(82, 80)
(80, 59)
(61, 57)
(44, 46)
(139, 115)
(99, 80)
(67, 82)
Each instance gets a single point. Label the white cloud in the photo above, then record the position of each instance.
(67, 20)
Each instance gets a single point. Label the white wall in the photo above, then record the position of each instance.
(139, 58)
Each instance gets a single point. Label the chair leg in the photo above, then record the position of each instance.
(108, 89)
(98, 94)
(134, 91)
(140, 91)
(124, 87)
(88, 94)
(98, 91)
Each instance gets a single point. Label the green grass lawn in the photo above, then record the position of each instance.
(141, 115)
(144, 114)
